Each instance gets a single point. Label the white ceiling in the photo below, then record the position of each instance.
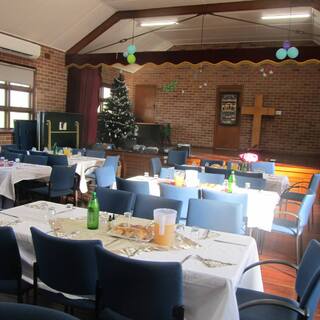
(60, 24)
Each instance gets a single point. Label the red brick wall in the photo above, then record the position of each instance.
(50, 81)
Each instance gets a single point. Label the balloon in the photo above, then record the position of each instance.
(125, 54)
(286, 44)
(293, 52)
(131, 59)
(132, 49)
(281, 54)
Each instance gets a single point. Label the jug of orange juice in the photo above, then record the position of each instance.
(165, 226)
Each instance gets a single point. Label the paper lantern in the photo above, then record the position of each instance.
(293, 52)
(132, 49)
(131, 59)
(125, 54)
(281, 54)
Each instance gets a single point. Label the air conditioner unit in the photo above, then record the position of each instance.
(19, 47)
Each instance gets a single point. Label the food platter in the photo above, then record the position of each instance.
(133, 232)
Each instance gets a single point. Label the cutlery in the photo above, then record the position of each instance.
(230, 242)
(186, 258)
(211, 263)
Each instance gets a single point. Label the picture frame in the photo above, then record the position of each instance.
(229, 108)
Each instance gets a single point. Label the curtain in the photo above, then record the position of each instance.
(83, 97)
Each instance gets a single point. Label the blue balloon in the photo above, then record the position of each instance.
(125, 54)
(281, 54)
(293, 52)
(132, 49)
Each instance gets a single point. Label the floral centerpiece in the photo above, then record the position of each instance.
(247, 158)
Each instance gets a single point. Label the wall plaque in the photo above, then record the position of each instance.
(229, 105)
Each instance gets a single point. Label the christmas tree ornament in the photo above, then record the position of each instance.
(293, 52)
(125, 54)
(281, 54)
(132, 49)
(286, 44)
(131, 59)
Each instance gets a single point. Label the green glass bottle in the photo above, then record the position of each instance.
(55, 148)
(93, 213)
(231, 182)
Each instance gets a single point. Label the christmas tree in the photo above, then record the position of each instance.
(116, 122)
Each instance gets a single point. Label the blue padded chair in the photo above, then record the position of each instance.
(10, 265)
(12, 156)
(111, 161)
(257, 175)
(15, 150)
(177, 157)
(185, 167)
(137, 289)
(179, 193)
(263, 166)
(67, 266)
(105, 176)
(38, 153)
(16, 311)
(167, 173)
(214, 178)
(255, 183)
(8, 146)
(207, 163)
(216, 215)
(256, 305)
(133, 186)
(41, 160)
(57, 160)
(145, 204)
(225, 172)
(75, 151)
(95, 153)
(115, 201)
(155, 165)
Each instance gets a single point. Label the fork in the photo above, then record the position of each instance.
(209, 262)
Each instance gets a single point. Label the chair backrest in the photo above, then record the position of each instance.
(95, 153)
(177, 157)
(305, 209)
(20, 151)
(314, 182)
(255, 183)
(10, 266)
(179, 193)
(19, 311)
(155, 165)
(137, 289)
(145, 204)
(258, 175)
(12, 156)
(115, 201)
(8, 146)
(226, 172)
(263, 166)
(185, 167)
(57, 160)
(62, 178)
(206, 163)
(112, 161)
(308, 278)
(215, 178)
(66, 265)
(167, 173)
(38, 153)
(133, 186)
(105, 176)
(41, 160)
(216, 215)
(76, 151)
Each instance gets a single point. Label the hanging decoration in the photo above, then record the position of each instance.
(131, 50)
(266, 71)
(171, 86)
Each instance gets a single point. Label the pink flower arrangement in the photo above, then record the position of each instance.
(249, 157)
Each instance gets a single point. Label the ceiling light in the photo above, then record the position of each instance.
(158, 23)
(286, 16)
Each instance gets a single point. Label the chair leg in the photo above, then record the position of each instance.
(298, 246)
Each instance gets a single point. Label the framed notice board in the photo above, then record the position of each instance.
(229, 108)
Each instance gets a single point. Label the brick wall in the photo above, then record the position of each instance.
(50, 81)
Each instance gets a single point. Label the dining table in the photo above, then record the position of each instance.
(212, 262)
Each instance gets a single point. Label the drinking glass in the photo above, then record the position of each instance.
(179, 178)
(146, 174)
(128, 216)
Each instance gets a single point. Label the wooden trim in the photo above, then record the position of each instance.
(185, 10)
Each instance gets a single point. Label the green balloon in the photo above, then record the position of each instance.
(281, 54)
(293, 52)
(131, 58)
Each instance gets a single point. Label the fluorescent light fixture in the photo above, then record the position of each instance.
(158, 23)
(286, 16)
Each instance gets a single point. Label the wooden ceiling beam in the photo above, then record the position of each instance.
(185, 10)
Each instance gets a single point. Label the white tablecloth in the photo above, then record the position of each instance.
(209, 293)
(83, 163)
(22, 171)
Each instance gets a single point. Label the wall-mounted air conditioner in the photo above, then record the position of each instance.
(19, 47)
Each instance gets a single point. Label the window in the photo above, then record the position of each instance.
(105, 93)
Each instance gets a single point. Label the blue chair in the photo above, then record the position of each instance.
(10, 265)
(177, 157)
(115, 201)
(105, 176)
(216, 215)
(67, 266)
(133, 186)
(41, 160)
(95, 153)
(57, 160)
(167, 173)
(186, 167)
(8, 146)
(263, 166)
(12, 156)
(207, 163)
(75, 151)
(16, 311)
(179, 193)
(15, 150)
(255, 183)
(214, 178)
(263, 306)
(38, 153)
(137, 289)
(257, 175)
(155, 165)
(145, 204)
(225, 172)
(112, 161)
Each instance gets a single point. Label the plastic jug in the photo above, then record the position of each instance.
(165, 225)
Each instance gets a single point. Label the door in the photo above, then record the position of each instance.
(227, 122)
(145, 102)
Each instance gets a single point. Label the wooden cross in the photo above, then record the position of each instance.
(257, 111)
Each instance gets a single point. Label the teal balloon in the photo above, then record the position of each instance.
(125, 54)
(281, 54)
(132, 49)
(293, 52)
